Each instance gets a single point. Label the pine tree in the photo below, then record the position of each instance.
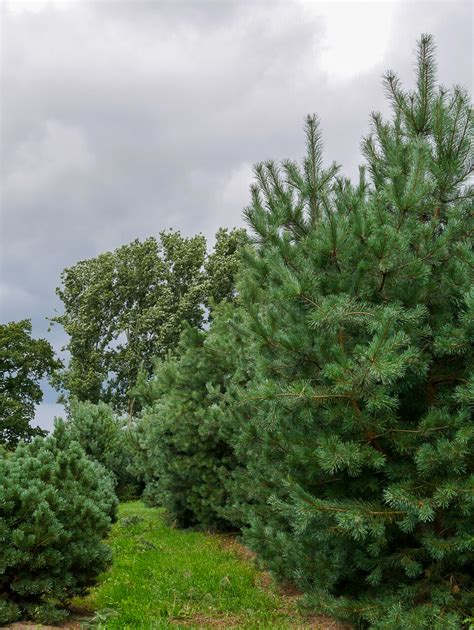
(56, 506)
(107, 439)
(359, 450)
(184, 436)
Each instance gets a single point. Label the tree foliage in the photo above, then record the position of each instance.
(126, 308)
(359, 450)
(106, 439)
(187, 453)
(56, 506)
(324, 406)
(23, 363)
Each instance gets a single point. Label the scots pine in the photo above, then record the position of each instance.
(56, 507)
(107, 439)
(359, 447)
(184, 434)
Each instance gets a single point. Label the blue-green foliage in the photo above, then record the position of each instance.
(187, 454)
(359, 450)
(324, 407)
(56, 506)
(334, 421)
(107, 439)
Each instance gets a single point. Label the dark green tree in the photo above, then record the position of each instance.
(107, 439)
(222, 266)
(23, 363)
(56, 506)
(125, 309)
(359, 450)
(185, 441)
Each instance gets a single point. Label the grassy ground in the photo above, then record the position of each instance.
(168, 578)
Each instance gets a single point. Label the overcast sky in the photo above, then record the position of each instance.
(120, 119)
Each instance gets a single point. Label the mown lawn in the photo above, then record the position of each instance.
(168, 578)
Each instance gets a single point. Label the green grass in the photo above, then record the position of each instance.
(168, 578)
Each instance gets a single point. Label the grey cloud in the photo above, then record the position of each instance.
(120, 119)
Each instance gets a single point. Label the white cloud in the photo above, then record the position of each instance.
(46, 414)
(356, 36)
(34, 6)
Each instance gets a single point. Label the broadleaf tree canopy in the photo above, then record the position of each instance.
(125, 309)
(23, 363)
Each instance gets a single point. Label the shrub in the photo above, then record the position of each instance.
(56, 506)
(188, 457)
(359, 449)
(108, 440)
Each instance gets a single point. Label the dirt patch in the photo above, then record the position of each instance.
(76, 621)
(304, 620)
(203, 621)
(230, 543)
(288, 592)
(325, 623)
(31, 625)
(319, 622)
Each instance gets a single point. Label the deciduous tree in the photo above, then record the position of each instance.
(125, 309)
(24, 361)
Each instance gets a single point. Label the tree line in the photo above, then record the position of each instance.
(309, 384)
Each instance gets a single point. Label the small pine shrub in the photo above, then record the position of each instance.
(106, 439)
(188, 457)
(56, 507)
